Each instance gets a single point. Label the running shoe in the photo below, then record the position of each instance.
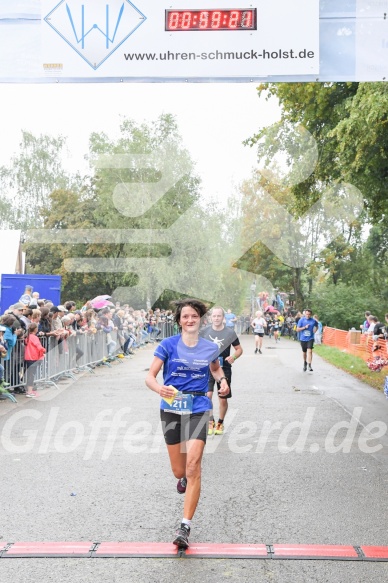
(181, 485)
(31, 395)
(260, 351)
(182, 536)
(310, 369)
(305, 367)
(219, 430)
(256, 351)
(211, 427)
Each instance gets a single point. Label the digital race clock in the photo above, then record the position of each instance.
(231, 19)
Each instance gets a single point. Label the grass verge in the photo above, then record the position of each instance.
(353, 365)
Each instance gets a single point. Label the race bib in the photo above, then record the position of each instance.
(306, 333)
(181, 405)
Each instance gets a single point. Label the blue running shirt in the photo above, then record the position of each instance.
(186, 368)
(306, 335)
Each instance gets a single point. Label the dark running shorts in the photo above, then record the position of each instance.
(212, 382)
(261, 334)
(180, 428)
(305, 344)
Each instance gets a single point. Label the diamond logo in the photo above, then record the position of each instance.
(95, 28)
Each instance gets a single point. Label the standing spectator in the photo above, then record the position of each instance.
(76, 325)
(35, 316)
(17, 369)
(34, 353)
(44, 328)
(107, 326)
(26, 316)
(125, 338)
(27, 296)
(298, 316)
(318, 333)
(365, 325)
(10, 338)
(87, 306)
(372, 321)
(56, 324)
(230, 319)
(17, 311)
(247, 324)
(3, 353)
(90, 321)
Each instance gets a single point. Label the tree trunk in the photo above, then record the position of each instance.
(299, 297)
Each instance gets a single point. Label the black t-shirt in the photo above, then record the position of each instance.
(224, 339)
(378, 329)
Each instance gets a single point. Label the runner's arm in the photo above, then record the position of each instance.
(218, 375)
(237, 353)
(153, 384)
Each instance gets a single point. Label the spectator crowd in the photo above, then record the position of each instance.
(32, 319)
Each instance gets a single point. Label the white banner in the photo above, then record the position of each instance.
(144, 40)
(372, 37)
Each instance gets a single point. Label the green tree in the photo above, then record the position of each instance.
(343, 305)
(174, 236)
(33, 173)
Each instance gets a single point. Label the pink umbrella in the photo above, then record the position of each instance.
(101, 304)
(272, 310)
(98, 298)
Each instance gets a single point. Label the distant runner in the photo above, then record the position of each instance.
(259, 324)
(307, 327)
(224, 337)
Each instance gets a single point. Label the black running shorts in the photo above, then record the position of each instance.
(212, 382)
(305, 344)
(180, 428)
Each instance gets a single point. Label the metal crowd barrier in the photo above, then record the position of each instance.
(66, 356)
(63, 357)
(14, 372)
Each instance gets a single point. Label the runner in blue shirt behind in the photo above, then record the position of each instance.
(307, 327)
(186, 360)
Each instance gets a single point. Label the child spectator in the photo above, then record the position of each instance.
(33, 354)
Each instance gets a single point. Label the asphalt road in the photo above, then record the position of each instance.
(299, 463)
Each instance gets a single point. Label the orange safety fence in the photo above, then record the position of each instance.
(353, 342)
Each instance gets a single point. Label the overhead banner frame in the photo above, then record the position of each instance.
(72, 41)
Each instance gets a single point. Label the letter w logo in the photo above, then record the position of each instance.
(84, 31)
(95, 28)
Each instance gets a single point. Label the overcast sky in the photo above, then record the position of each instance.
(213, 120)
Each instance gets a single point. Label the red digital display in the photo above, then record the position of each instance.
(232, 19)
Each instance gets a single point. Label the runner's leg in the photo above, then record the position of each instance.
(178, 459)
(195, 449)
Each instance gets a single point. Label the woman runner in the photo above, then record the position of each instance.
(186, 360)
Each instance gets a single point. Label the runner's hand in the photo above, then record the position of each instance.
(166, 391)
(224, 388)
